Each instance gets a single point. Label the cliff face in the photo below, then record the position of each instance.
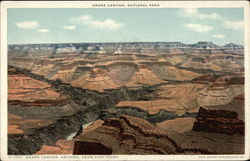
(113, 47)
(127, 135)
(176, 98)
(131, 135)
(206, 78)
(222, 91)
(26, 91)
(220, 121)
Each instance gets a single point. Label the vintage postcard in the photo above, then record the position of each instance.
(125, 80)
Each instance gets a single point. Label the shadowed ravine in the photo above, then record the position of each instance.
(88, 106)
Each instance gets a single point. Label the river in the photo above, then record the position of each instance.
(73, 134)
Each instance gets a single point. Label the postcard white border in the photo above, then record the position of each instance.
(88, 4)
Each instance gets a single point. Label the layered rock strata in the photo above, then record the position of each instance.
(131, 135)
(220, 121)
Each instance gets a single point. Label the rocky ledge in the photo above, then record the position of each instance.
(60, 147)
(220, 121)
(131, 135)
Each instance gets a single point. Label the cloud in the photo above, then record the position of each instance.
(199, 27)
(219, 36)
(90, 21)
(27, 24)
(235, 25)
(43, 30)
(194, 13)
(70, 27)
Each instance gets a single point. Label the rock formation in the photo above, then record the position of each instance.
(221, 91)
(180, 99)
(62, 147)
(131, 135)
(220, 121)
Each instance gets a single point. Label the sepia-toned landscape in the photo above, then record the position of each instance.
(125, 81)
(126, 98)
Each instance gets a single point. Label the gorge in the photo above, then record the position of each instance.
(126, 98)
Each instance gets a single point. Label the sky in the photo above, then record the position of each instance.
(79, 25)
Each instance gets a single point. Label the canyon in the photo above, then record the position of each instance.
(126, 98)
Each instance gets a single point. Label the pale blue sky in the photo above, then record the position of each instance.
(219, 25)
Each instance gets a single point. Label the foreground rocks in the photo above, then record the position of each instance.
(131, 135)
(220, 121)
(127, 135)
(177, 125)
(61, 147)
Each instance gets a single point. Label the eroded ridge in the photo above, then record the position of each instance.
(131, 135)
(220, 121)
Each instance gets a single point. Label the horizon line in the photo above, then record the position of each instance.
(121, 42)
